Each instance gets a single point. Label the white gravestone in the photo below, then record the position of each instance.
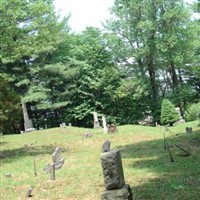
(96, 121)
(105, 128)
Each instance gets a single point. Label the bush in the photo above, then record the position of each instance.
(192, 112)
(169, 114)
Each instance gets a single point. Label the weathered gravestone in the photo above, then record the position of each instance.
(188, 130)
(57, 159)
(181, 120)
(105, 128)
(63, 124)
(106, 146)
(28, 194)
(96, 121)
(115, 186)
(58, 162)
(28, 124)
(112, 128)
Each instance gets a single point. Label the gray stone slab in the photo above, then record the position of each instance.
(106, 146)
(123, 193)
(112, 170)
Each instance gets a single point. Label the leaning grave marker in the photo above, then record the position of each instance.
(58, 162)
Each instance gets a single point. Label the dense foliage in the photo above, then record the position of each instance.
(147, 52)
(10, 109)
(169, 115)
(192, 112)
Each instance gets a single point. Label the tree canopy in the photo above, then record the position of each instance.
(147, 52)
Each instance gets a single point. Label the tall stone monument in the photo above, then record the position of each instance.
(96, 121)
(105, 128)
(114, 182)
(28, 124)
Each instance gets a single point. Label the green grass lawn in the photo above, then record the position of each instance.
(147, 166)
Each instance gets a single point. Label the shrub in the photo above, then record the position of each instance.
(169, 114)
(192, 112)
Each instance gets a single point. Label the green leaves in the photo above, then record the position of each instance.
(168, 113)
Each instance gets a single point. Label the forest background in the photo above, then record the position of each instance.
(149, 51)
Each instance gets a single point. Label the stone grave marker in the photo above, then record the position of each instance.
(105, 128)
(188, 130)
(113, 175)
(96, 121)
(28, 194)
(112, 128)
(181, 120)
(57, 164)
(57, 159)
(106, 146)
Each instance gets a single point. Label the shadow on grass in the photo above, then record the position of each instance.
(8, 156)
(157, 177)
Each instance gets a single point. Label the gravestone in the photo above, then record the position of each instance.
(96, 121)
(181, 120)
(112, 128)
(52, 172)
(57, 159)
(28, 124)
(63, 124)
(188, 130)
(106, 146)
(114, 182)
(123, 193)
(57, 164)
(105, 128)
(28, 194)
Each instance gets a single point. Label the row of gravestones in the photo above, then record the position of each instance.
(106, 128)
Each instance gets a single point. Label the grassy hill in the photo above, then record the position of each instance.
(147, 166)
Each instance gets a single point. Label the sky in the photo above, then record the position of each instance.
(86, 12)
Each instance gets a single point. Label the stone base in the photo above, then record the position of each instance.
(123, 193)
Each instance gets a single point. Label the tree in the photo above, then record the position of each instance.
(169, 115)
(10, 109)
(29, 33)
(156, 40)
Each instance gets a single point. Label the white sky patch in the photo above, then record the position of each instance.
(84, 12)
(87, 12)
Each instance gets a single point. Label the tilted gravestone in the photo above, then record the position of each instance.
(96, 121)
(113, 175)
(58, 162)
(57, 159)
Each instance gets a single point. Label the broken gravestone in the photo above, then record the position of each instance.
(58, 162)
(57, 159)
(113, 175)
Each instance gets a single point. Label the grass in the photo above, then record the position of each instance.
(147, 167)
